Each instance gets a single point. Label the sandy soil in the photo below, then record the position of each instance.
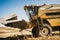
(55, 37)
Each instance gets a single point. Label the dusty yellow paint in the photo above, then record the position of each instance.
(42, 13)
(54, 22)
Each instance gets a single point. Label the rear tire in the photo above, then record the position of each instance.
(47, 30)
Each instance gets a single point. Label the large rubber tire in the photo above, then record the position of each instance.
(47, 30)
(35, 31)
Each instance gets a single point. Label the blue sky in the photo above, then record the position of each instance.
(8, 7)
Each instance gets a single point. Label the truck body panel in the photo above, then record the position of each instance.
(54, 22)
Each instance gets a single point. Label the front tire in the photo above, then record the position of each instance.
(47, 30)
(35, 31)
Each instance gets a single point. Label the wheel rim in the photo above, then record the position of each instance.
(44, 32)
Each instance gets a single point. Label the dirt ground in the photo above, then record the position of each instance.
(56, 37)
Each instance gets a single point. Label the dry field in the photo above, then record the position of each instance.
(13, 31)
(45, 38)
(55, 36)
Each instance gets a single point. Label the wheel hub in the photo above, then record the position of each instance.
(44, 32)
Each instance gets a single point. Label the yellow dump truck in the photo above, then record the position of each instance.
(43, 18)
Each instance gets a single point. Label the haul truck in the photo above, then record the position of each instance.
(44, 18)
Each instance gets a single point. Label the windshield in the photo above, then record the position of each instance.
(31, 12)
